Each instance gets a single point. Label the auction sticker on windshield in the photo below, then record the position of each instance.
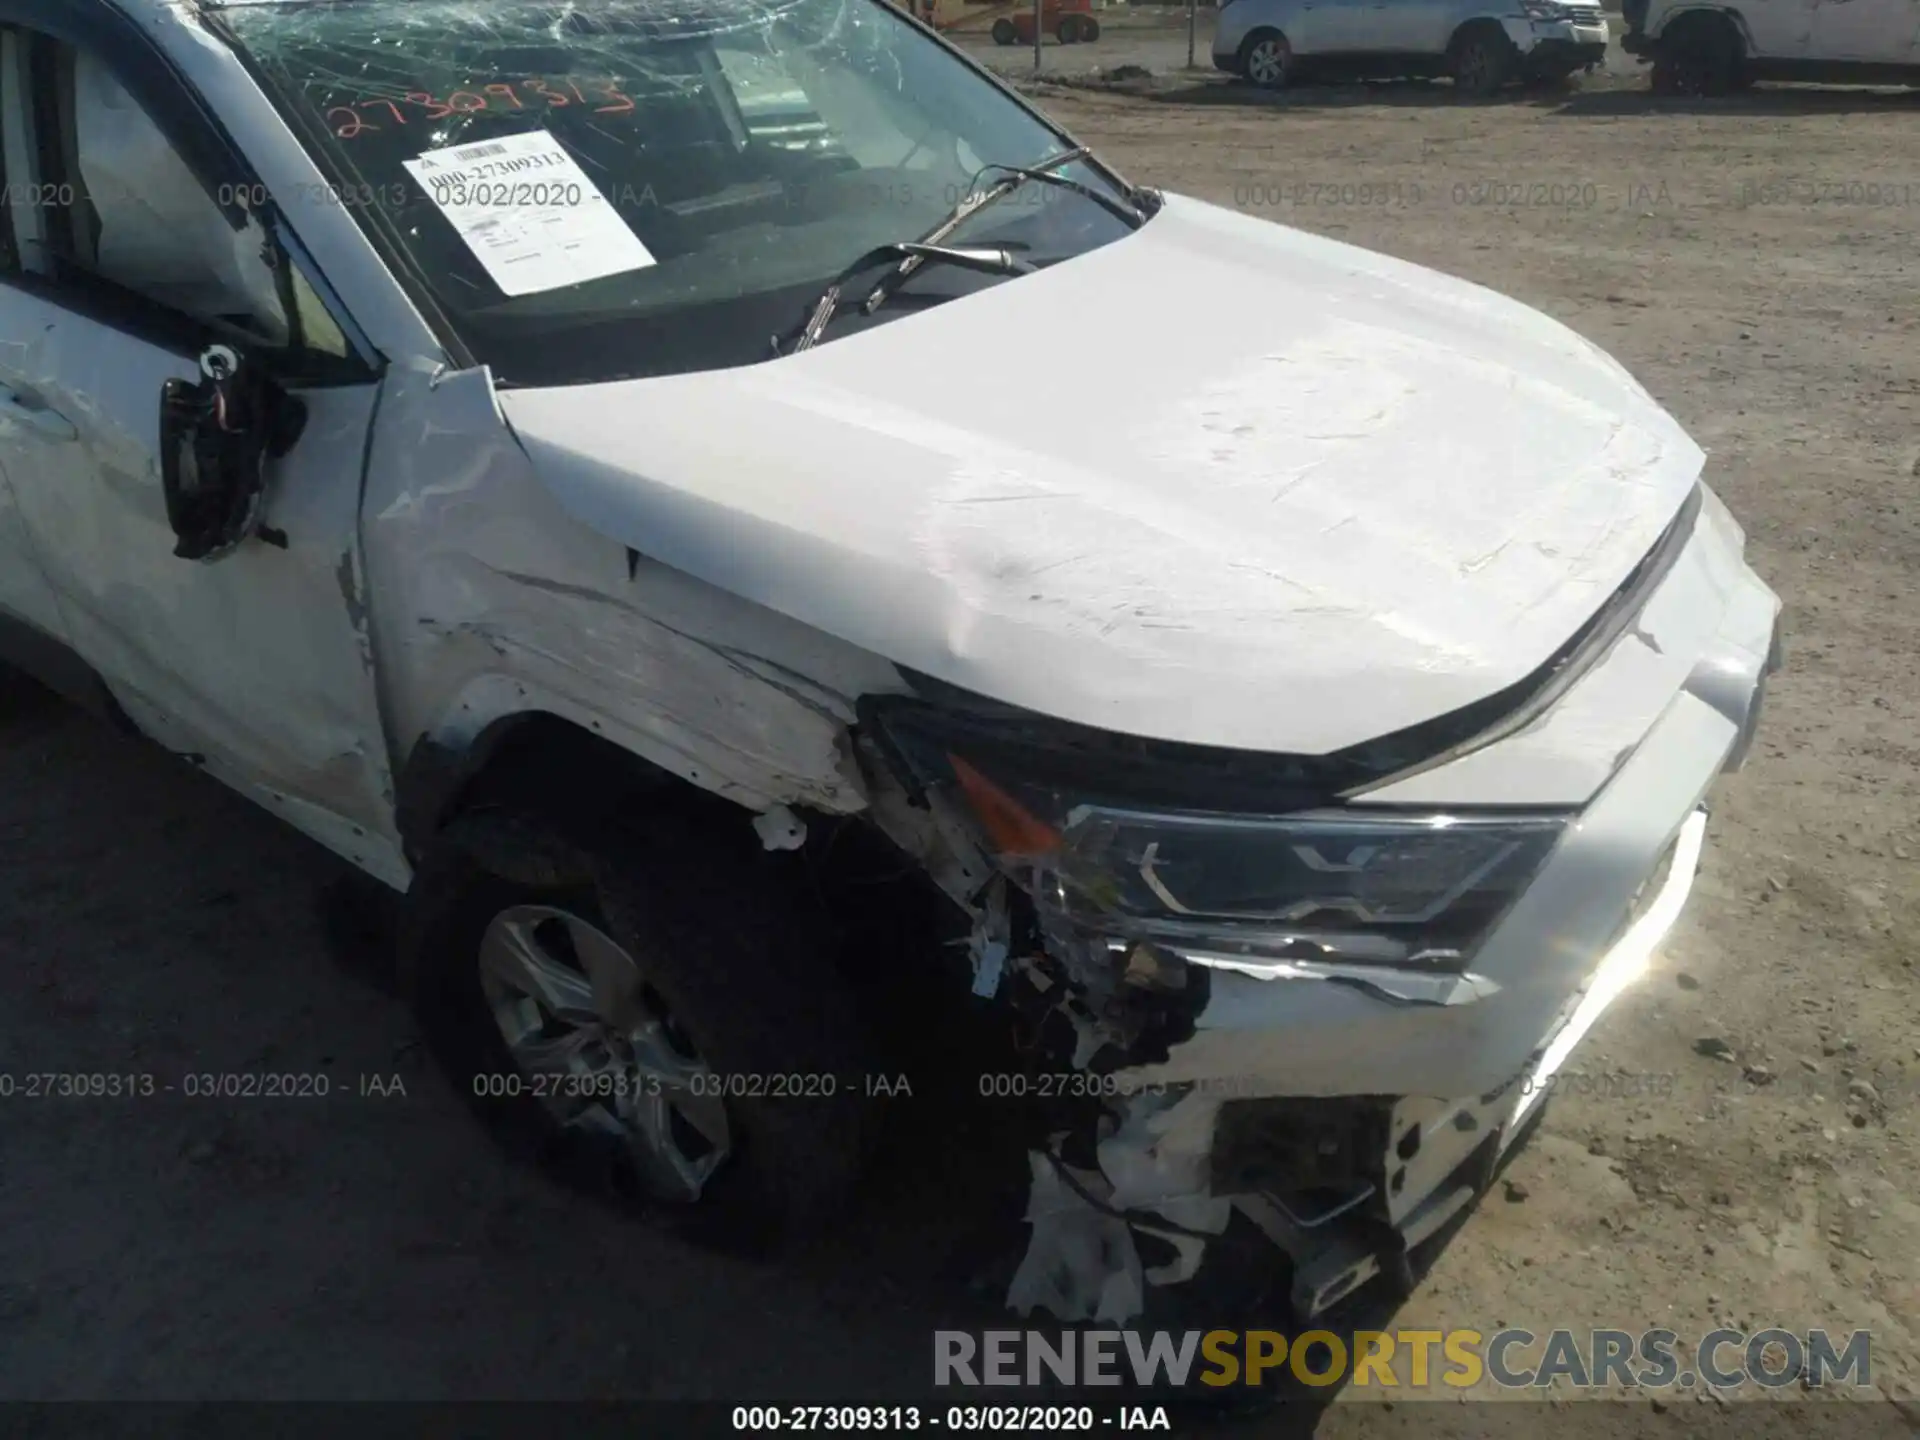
(529, 213)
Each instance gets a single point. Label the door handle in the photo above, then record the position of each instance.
(17, 409)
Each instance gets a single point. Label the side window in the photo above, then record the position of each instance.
(320, 333)
(128, 210)
(119, 213)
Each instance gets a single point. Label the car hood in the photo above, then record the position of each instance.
(1220, 482)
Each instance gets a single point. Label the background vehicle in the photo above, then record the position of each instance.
(1482, 44)
(1700, 49)
(1071, 22)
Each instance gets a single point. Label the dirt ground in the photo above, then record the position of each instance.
(1737, 1148)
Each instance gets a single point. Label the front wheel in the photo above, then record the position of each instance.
(1700, 55)
(1267, 59)
(643, 1017)
(1482, 62)
(1003, 32)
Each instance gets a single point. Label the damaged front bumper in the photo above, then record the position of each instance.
(1435, 1158)
(1559, 40)
(1352, 1111)
(1561, 54)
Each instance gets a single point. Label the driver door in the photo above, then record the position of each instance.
(1864, 30)
(256, 664)
(1339, 27)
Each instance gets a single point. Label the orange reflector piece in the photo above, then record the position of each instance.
(1010, 826)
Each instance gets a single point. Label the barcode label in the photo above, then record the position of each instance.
(480, 152)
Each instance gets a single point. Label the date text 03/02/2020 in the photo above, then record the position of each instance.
(197, 1085)
(901, 1419)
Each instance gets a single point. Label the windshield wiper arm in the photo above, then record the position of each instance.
(1047, 172)
(977, 200)
(989, 260)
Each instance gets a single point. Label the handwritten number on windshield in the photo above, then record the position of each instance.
(612, 91)
(348, 123)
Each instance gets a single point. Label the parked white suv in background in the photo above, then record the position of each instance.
(1699, 49)
(1482, 44)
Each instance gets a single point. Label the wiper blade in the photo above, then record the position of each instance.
(1046, 172)
(990, 260)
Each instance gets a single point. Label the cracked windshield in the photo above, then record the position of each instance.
(594, 193)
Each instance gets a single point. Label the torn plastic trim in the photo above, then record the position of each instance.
(1397, 984)
(1081, 1262)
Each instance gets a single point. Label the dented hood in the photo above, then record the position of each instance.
(1219, 481)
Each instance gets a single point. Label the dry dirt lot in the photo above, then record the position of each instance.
(1740, 1144)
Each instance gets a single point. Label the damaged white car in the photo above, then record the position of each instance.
(563, 458)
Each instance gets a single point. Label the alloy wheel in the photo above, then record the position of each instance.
(1267, 62)
(598, 1046)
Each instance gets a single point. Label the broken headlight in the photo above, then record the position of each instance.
(1334, 886)
(1283, 875)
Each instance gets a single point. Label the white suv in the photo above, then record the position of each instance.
(557, 456)
(1482, 44)
(1710, 49)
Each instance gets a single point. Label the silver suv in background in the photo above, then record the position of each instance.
(1482, 44)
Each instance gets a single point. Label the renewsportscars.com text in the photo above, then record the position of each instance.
(1510, 1358)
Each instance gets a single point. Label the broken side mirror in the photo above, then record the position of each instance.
(216, 437)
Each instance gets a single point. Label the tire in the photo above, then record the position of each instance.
(1699, 55)
(1266, 58)
(1481, 62)
(1089, 29)
(1003, 32)
(728, 986)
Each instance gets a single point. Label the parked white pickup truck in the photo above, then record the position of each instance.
(561, 457)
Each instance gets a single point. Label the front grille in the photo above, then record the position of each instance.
(1584, 14)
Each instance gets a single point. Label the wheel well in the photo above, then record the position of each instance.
(540, 762)
(1479, 26)
(1704, 17)
(1254, 37)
